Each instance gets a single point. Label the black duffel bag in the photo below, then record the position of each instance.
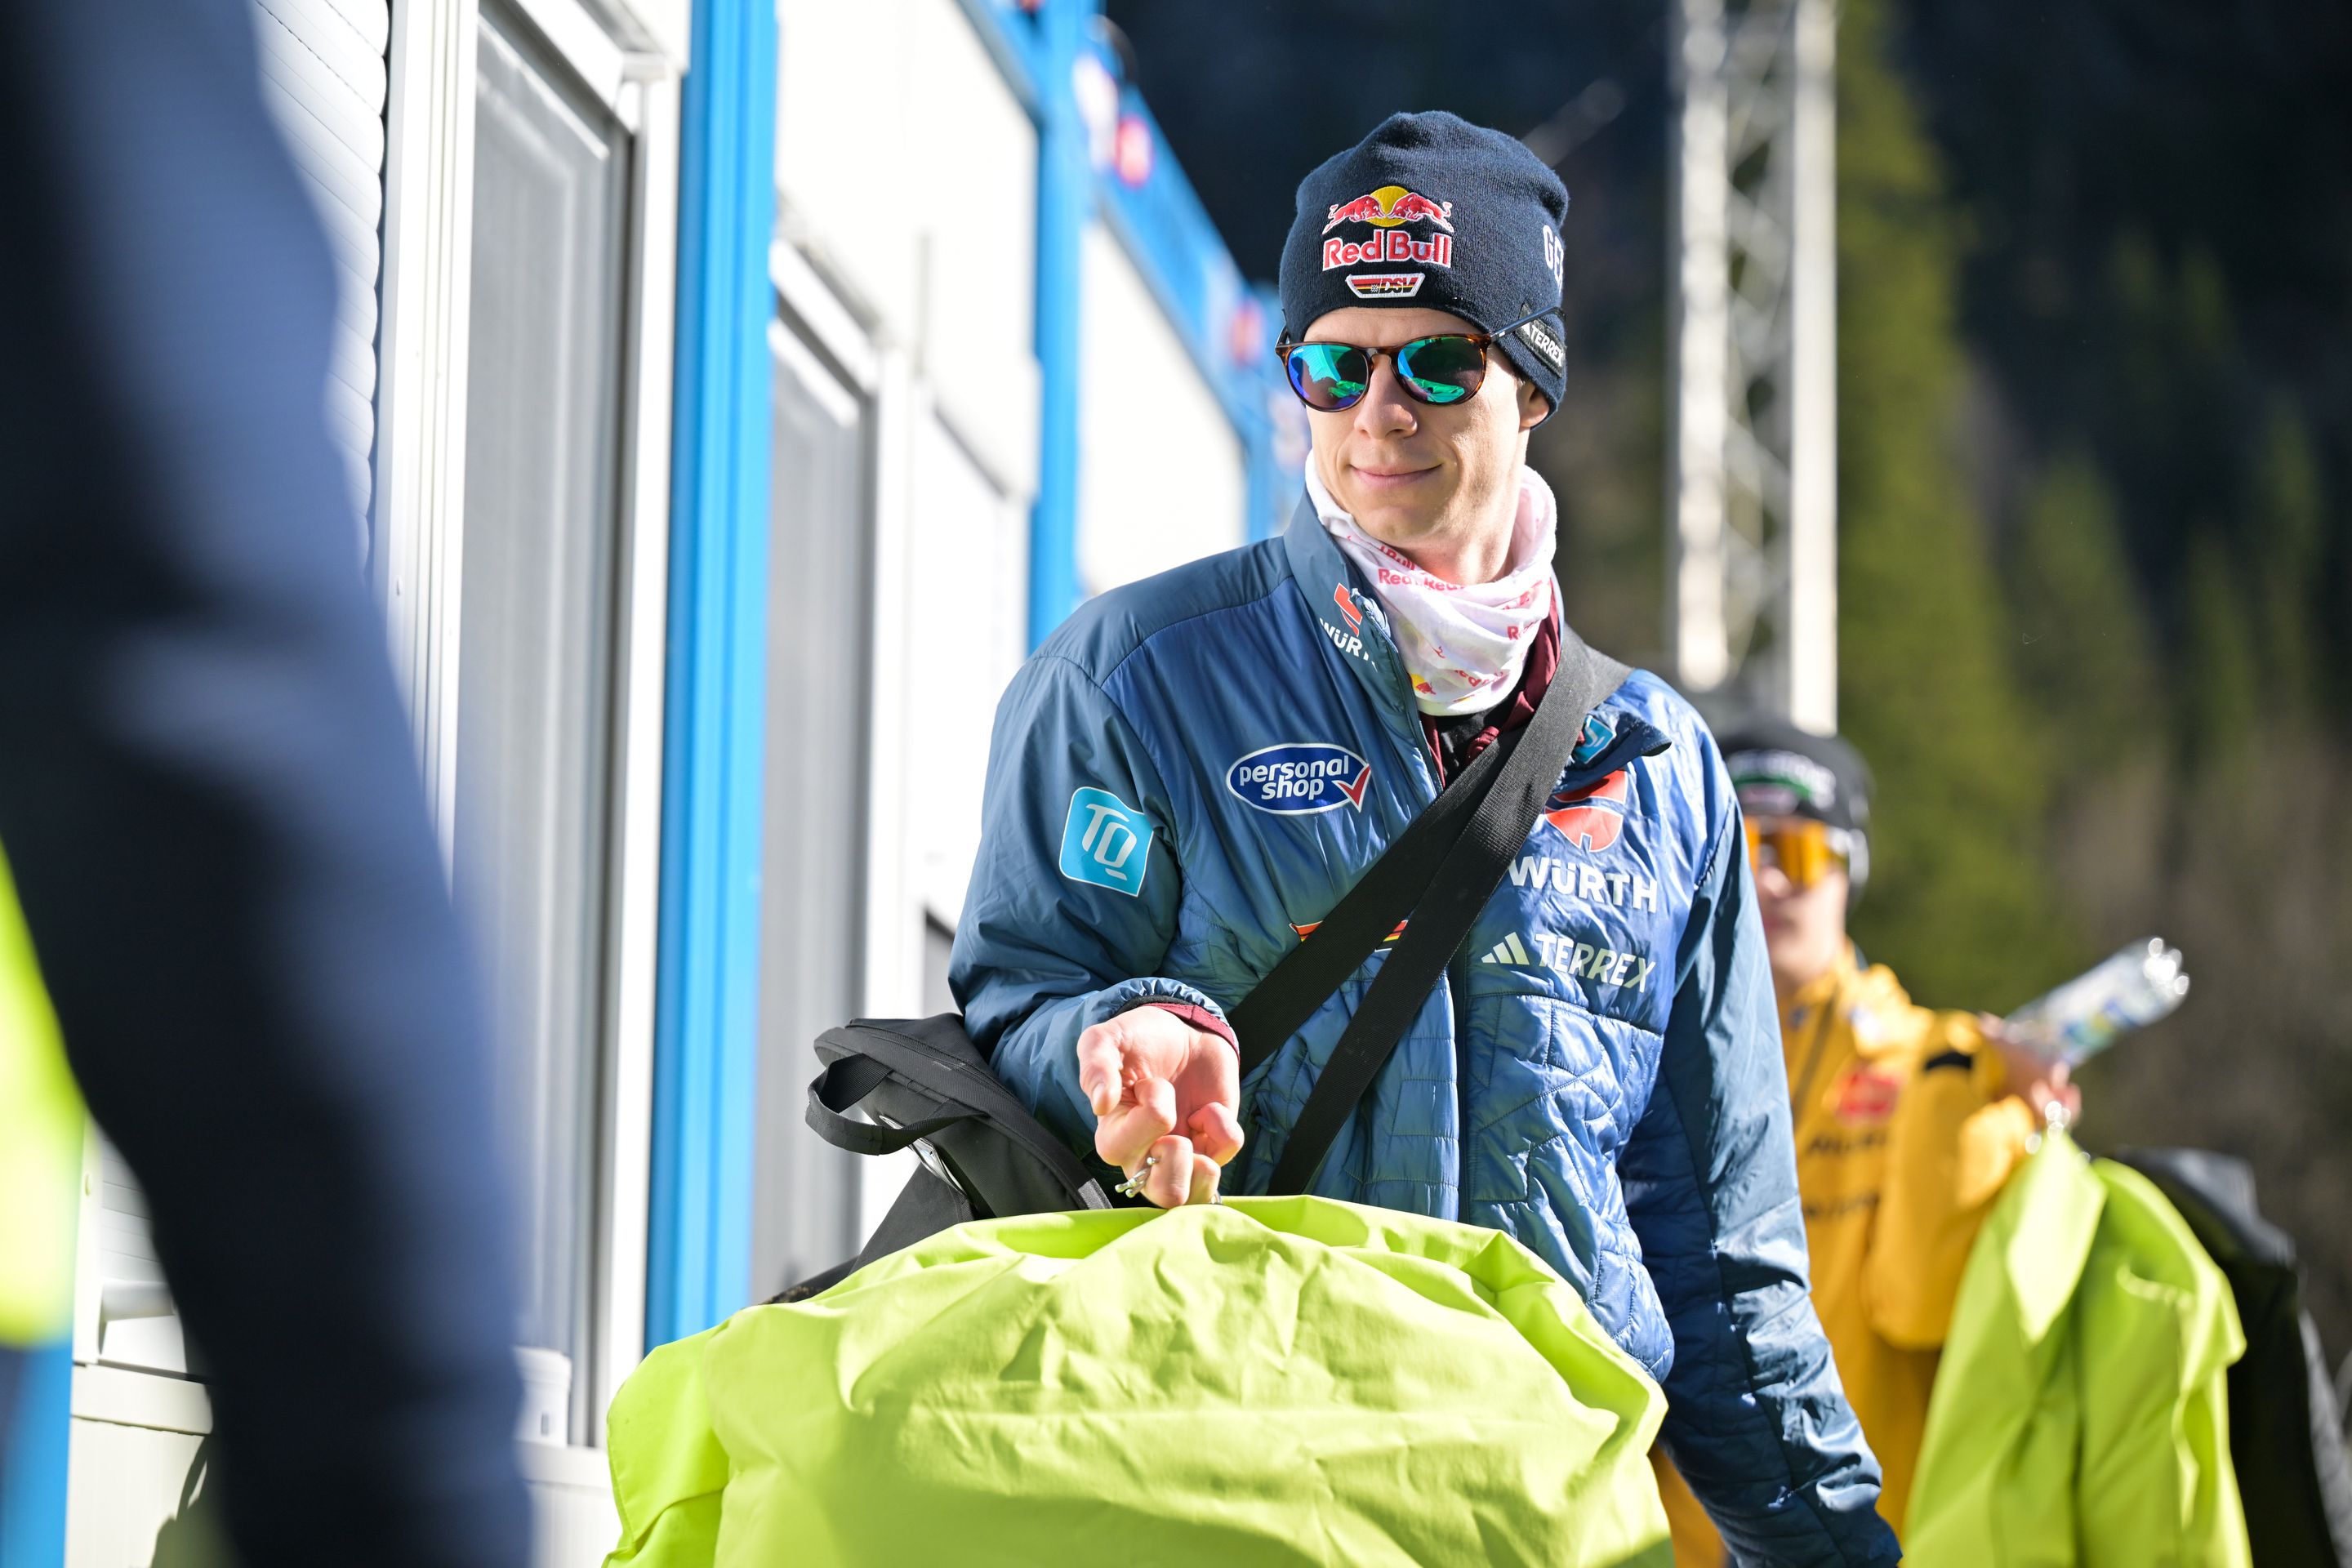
(2286, 1431)
(929, 1089)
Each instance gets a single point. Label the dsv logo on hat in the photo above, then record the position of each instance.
(1299, 778)
(1593, 815)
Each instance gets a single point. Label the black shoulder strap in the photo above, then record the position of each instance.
(1442, 909)
(1279, 1005)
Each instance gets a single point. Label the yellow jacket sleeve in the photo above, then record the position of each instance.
(1956, 1136)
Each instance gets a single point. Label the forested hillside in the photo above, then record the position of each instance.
(2156, 304)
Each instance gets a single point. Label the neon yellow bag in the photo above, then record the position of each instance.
(1267, 1381)
(2080, 1417)
(40, 1145)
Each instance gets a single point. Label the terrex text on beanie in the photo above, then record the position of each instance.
(1431, 210)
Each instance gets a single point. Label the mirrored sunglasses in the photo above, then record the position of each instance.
(1444, 368)
(1802, 848)
(1331, 377)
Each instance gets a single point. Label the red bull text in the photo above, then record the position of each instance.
(1394, 245)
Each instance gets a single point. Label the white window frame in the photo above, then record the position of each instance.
(831, 321)
(420, 529)
(821, 315)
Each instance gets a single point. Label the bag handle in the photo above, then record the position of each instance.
(1447, 906)
(840, 1087)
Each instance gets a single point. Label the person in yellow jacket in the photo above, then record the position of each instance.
(1909, 1120)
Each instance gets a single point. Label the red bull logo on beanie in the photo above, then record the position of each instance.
(1387, 207)
(1299, 778)
(1388, 210)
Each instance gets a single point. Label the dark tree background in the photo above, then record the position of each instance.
(2096, 447)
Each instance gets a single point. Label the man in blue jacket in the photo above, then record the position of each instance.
(1192, 771)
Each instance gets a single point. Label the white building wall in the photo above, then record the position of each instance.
(926, 239)
(968, 634)
(1161, 477)
(907, 218)
(907, 173)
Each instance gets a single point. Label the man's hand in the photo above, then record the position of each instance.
(1162, 1090)
(2032, 1076)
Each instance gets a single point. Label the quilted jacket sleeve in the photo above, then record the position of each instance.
(1756, 1418)
(1073, 899)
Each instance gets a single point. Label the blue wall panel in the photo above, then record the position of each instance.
(705, 1051)
(1064, 192)
(33, 1443)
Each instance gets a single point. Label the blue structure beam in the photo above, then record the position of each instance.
(34, 1442)
(707, 1005)
(1065, 192)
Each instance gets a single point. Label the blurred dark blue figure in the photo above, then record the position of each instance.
(208, 796)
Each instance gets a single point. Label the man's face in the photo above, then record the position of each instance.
(1804, 928)
(1413, 474)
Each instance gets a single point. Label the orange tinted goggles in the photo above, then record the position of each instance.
(1803, 849)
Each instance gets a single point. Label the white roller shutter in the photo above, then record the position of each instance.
(322, 75)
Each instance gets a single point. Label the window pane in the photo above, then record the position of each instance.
(537, 637)
(967, 633)
(805, 1211)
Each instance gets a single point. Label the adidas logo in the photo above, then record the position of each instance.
(1509, 951)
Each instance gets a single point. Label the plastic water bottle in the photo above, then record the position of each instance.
(2083, 1018)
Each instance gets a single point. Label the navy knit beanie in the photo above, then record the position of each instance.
(1432, 210)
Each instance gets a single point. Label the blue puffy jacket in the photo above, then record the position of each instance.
(1189, 775)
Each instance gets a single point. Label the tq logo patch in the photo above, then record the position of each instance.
(1105, 843)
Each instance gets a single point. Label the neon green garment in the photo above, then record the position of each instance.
(1271, 1380)
(40, 1145)
(2080, 1417)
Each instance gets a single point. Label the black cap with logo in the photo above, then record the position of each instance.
(1779, 770)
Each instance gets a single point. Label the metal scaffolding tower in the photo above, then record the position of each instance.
(1752, 588)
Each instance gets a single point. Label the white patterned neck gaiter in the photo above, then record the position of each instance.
(1464, 644)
